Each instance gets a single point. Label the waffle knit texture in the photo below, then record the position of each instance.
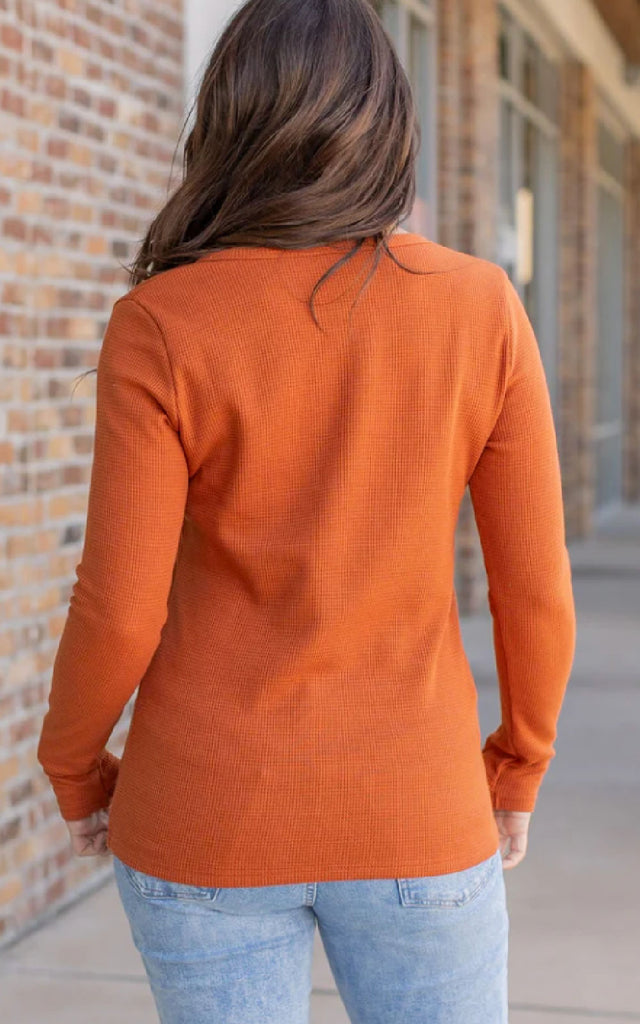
(269, 558)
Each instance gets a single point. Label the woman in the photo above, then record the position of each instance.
(291, 401)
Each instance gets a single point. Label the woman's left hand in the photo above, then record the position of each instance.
(89, 835)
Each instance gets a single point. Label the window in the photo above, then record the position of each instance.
(608, 426)
(410, 24)
(528, 180)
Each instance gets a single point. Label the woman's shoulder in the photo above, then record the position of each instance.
(445, 258)
(169, 291)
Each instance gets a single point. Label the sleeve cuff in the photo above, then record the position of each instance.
(515, 792)
(78, 799)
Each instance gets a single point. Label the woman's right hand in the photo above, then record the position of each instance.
(513, 827)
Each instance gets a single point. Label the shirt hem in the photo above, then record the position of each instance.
(181, 868)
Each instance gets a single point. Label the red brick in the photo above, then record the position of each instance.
(63, 75)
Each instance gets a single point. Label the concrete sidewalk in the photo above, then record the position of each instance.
(574, 902)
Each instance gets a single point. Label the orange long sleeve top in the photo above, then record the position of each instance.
(269, 559)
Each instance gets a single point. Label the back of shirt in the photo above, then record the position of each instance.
(269, 553)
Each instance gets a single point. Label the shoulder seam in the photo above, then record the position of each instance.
(506, 282)
(145, 309)
(504, 277)
(508, 334)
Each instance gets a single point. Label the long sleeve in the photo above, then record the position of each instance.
(118, 605)
(516, 492)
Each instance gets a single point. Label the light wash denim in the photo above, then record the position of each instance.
(427, 950)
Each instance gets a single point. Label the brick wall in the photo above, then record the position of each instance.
(468, 133)
(91, 108)
(577, 294)
(449, 20)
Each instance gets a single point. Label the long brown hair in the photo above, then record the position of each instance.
(305, 133)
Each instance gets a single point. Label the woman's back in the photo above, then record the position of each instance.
(280, 547)
(291, 402)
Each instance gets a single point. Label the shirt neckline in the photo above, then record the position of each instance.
(395, 241)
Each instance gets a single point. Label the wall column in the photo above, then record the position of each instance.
(578, 294)
(448, 126)
(469, 138)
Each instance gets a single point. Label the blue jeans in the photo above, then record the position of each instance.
(427, 950)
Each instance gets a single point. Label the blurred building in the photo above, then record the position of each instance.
(530, 121)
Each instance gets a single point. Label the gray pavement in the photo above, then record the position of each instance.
(574, 902)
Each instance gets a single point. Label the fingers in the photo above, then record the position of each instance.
(517, 850)
(513, 829)
(89, 835)
(90, 845)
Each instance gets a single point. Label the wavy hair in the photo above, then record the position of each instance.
(305, 133)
